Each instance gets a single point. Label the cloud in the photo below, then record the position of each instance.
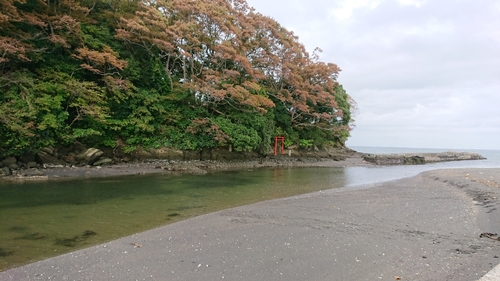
(346, 8)
(424, 73)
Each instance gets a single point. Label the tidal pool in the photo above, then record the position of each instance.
(48, 218)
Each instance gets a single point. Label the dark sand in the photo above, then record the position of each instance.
(422, 228)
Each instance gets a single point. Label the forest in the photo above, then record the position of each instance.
(185, 74)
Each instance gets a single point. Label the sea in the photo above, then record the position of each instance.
(357, 176)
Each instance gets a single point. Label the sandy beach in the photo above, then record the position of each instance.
(426, 227)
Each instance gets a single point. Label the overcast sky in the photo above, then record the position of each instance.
(424, 73)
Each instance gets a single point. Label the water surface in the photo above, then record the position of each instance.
(44, 219)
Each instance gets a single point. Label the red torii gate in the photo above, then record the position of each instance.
(277, 140)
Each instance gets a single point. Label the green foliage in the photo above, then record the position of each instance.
(290, 139)
(96, 36)
(202, 134)
(306, 143)
(344, 104)
(242, 138)
(70, 74)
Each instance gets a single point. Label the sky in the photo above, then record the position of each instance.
(424, 73)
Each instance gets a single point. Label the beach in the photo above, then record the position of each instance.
(425, 227)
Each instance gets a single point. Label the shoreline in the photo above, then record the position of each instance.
(425, 227)
(158, 166)
(339, 158)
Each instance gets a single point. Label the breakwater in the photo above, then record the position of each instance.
(420, 158)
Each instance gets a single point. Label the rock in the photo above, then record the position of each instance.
(34, 172)
(414, 160)
(70, 158)
(9, 160)
(196, 171)
(338, 157)
(192, 155)
(421, 158)
(167, 153)
(43, 157)
(141, 154)
(71, 150)
(452, 156)
(107, 151)
(102, 161)
(89, 156)
(221, 154)
(14, 167)
(31, 165)
(384, 159)
(5, 171)
(49, 150)
(37, 175)
(27, 157)
(78, 147)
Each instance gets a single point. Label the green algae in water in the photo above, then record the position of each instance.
(31, 236)
(44, 219)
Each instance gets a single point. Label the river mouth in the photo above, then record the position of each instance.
(43, 219)
(39, 220)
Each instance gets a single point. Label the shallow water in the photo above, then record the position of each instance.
(44, 219)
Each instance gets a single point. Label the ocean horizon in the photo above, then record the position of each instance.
(357, 176)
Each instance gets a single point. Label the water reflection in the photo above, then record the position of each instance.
(43, 219)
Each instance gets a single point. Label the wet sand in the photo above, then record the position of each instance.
(422, 228)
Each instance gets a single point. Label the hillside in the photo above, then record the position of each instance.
(186, 75)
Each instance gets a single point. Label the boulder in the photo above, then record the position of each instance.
(9, 160)
(74, 149)
(107, 151)
(78, 147)
(13, 167)
(43, 157)
(31, 165)
(49, 150)
(70, 158)
(141, 154)
(5, 172)
(27, 157)
(89, 156)
(414, 160)
(64, 151)
(102, 161)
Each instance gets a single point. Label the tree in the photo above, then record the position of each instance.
(187, 74)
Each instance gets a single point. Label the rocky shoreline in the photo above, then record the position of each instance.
(78, 161)
(156, 166)
(420, 158)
